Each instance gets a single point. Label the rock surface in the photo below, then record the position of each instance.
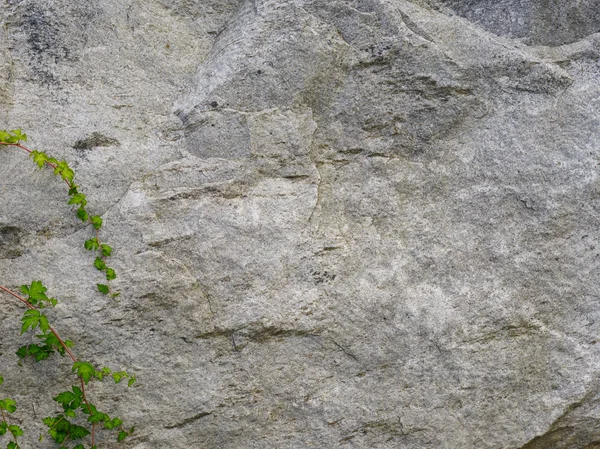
(337, 223)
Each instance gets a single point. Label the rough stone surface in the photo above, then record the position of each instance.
(337, 223)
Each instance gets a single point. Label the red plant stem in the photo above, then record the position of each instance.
(6, 421)
(62, 343)
(29, 151)
(69, 184)
(30, 306)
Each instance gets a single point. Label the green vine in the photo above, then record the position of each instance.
(77, 408)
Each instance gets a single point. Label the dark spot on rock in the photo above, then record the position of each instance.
(95, 140)
(323, 277)
(214, 104)
(10, 240)
(259, 72)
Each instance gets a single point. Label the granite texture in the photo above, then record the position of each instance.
(337, 223)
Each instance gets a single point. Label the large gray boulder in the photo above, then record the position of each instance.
(337, 223)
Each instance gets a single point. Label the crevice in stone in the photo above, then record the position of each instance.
(257, 334)
(344, 350)
(189, 420)
(568, 431)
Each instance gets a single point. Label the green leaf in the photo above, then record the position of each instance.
(1, 380)
(106, 250)
(96, 221)
(78, 432)
(70, 400)
(85, 370)
(39, 157)
(4, 136)
(131, 381)
(114, 295)
(44, 325)
(37, 294)
(36, 288)
(15, 430)
(12, 445)
(100, 264)
(110, 274)
(32, 319)
(38, 352)
(112, 424)
(122, 435)
(62, 168)
(9, 405)
(73, 189)
(97, 417)
(78, 198)
(19, 134)
(82, 214)
(91, 244)
(103, 288)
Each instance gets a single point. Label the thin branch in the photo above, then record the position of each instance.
(66, 348)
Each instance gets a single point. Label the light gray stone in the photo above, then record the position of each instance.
(337, 223)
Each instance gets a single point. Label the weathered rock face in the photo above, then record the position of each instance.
(337, 223)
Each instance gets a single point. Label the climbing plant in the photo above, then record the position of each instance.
(79, 420)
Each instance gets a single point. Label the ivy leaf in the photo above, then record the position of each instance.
(82, 214)
(70, 400)
(96, 222)
(103, 288)
(85, 370)
(62, 168)
(91, 244)
(36, 288)
(19, 134)
(131, 381)
(52, 342)
(122, 435)
(39, 157)
(106, 250)
(9, 405)
(15, 430)
(4, 136)
(112, 424)
(32, 319)
(97, 417)
(1, 380)
(100, 264)
(110, 274)
(37, 294)
(38, 352)
(78, 432)
(73, 189)
(12, 445)
(118, 376)
(78, 198)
